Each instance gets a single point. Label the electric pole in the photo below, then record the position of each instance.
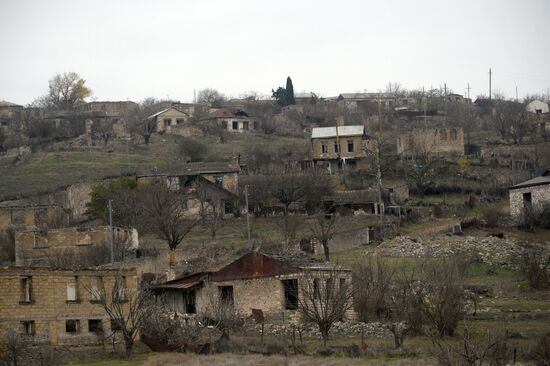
(445, 101)
(111, 231)
(247, 215)
(516, 93)
(468, 88)
(490, 76)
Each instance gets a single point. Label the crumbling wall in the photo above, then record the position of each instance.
(540, 195)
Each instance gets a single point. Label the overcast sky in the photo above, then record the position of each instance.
(136, 49)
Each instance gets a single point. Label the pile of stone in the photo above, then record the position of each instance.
(490, 250)
(350, 328)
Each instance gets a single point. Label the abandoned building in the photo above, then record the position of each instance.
(214, 183)
(53, 247)
(537, 107)
(529, 198)
(445, 142)
(233, 120)
(32, 217)
(173, 121)
(274, 285)
(62, 307)
(387, 101)
(112, 108)
(339, 146)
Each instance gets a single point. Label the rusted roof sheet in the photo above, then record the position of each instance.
(253, 265)
(183, 283)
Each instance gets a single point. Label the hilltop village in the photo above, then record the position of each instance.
(395, 223)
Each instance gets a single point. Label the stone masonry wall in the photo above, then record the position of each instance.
(35, 247)
(540, 195)
(49, 308)
(441, 141)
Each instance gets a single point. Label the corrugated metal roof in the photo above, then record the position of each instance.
(533, 182)
(164, 110)
(322, 132)
(181, 285)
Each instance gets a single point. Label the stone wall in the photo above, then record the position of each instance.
(49, 308)
(36, 247)
(359, 146)
(31, 217)
(442, 142)
(540, 195)
(171, 116)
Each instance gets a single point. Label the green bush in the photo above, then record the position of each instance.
(192, 150)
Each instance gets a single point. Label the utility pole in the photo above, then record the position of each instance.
(490, 76)
(516, 93)
(445, 101)
(468, 88)
(425, 105)
(111, 231)
(247, 215)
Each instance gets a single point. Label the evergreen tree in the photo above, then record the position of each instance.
(289, 92)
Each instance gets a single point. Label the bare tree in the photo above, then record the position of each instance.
(165, 213)
(14, 348)
(220, 313)
(211, 97)
(127, 310)
(489, 349)
(324, 303)
(323, 227)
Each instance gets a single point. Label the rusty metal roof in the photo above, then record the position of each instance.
(186, 282)
(253, 265)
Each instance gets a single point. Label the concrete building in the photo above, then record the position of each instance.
(32, 217)
(111, 108)
(529, 198)
(387, 101)
(271, 284)
(52, 247)
(537, 107)
(339, 146)
(447, 142)
(60, 307)
(233, 120)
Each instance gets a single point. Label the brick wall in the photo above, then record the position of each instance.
(49, 308)
(540, 195)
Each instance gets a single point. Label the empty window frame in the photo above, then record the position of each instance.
(119, 291)
(350, 146)
(95, 326)
(72, 326)
(226, 295)
(336, 147)
(41, 217)
(453, 134)
(235, 125)
(17, 217)
(527, 200)
(329, 287)
(25, 290)
(167, 122)
(190, 301)
(180, 121)
(245, 125)
(72, 289)
(291, 294)
(96, 289)
(28, 327)
(116, 324)
(324, 147)
(443, 134)
(316, 291)
(218, 180)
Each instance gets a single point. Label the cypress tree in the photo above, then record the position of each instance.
(289, 92)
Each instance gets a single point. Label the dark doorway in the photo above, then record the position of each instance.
(291, 294)
(226, 295)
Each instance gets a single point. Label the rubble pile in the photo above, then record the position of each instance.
(350, 328)
(490, 250)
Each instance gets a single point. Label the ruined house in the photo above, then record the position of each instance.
(9, 113)
(216, 184)
(233, 120)
(118, 108)
(61, 307)
(272, 284)
(340, 146)
(387, 101)
(537, 107)
(173, 120)
(445, 142)
(57, 246)
(527, 199)
(32, 217)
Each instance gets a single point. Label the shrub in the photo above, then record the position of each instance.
(534, 264)
(491, 216)
(192, 149)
